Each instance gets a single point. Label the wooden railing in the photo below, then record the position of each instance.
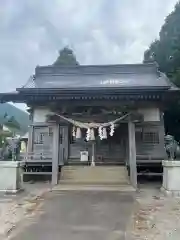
(37, 163)
(36, 157)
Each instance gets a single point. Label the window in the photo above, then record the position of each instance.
(151, 137)
(147, 135)
(139, 134)
(42, 135)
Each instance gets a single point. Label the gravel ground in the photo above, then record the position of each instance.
(14, 209)
(155, 217)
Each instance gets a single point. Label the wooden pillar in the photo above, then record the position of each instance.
(55, 155)
(132, 153)
(30, 139)
(93, 154)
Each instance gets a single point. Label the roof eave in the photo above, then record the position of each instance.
(95, 89)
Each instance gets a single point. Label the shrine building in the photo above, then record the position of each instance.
(95, 116)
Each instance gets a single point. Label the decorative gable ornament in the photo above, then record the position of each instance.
(30, 83)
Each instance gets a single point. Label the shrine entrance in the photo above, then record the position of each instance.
(96, 144)
(112, 150)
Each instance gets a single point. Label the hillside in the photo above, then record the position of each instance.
(21, 117)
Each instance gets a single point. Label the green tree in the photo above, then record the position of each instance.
(11, 124)
(166, 52)
(66, 58)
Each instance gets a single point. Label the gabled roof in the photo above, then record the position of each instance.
(129, 76)
(132, 81)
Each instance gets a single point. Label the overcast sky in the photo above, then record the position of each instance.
(99, 31)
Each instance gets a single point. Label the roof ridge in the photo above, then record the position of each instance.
(97, 69)
(99, 65)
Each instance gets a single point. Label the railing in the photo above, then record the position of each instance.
(148, 159)
(36, 157)
(37, 163)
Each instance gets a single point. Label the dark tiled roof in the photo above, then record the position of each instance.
(105, 82)
(101, 76)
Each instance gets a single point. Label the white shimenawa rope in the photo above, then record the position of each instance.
(90, 125)
(102, 131)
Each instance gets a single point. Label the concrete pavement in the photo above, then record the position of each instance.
(79, 215)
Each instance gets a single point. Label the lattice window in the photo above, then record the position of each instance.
(151, 137)
(147, 135)
(139, 134)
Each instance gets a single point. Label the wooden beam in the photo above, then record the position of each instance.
(42, 124)
(132, 153)
(55, 155)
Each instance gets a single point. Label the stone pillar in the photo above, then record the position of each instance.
(132, 153)
(55, 155)
(171, 178)
(10, 176)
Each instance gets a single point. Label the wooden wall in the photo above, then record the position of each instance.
(112, 150)
(149, 144)
(150, 141)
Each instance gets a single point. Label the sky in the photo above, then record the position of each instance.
(99, 31)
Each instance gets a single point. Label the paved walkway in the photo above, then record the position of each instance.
(40, 214)
(79, 215)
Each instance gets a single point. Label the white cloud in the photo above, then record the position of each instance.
(101, 31)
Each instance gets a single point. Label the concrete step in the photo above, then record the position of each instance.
(94, 175)
(106, 188)
(95, 182)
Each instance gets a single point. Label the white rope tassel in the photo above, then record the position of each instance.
(74, 132)
(104, 133)
(78, 133)
(100, 132)
(88, 134)
(112, 127)
(92, 134)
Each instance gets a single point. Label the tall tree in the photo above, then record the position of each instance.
(166, 52)
(66, 58)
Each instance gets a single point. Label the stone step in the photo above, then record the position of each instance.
(104, 188)
(94, 182)
(94, 175)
